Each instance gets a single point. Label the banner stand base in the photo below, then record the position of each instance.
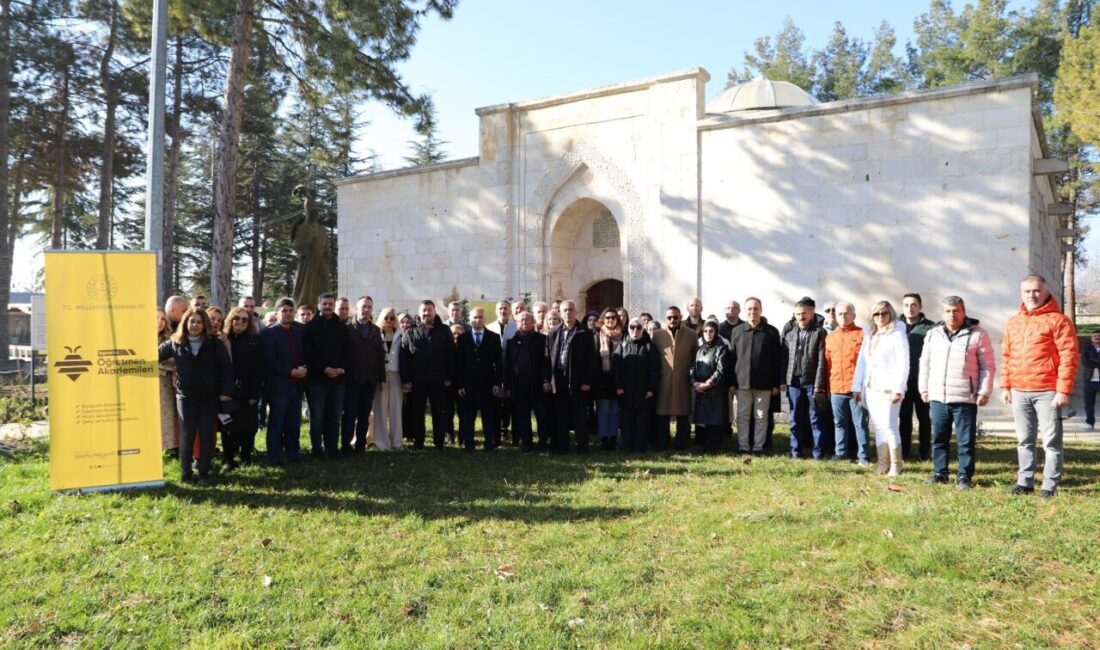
(111, 488)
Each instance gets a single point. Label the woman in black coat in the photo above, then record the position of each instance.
(708, 379)
(636, 371)
(204, 375)
(239, 436)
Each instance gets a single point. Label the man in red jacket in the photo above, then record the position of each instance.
(1039, 358)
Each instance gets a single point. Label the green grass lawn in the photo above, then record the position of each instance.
(444, 549)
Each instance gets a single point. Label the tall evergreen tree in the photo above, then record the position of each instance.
(782, 58)
(839, 67)
(356, 45)
(428, 150)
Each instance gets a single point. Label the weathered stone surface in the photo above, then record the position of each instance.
(941, 192)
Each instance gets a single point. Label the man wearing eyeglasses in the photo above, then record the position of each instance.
(676, 346)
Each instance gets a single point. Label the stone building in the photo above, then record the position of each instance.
(643, 194)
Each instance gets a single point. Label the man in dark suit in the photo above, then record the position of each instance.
(284, 371)
(573, 368)
(527, 381)
(478, 378)
(366, 371)
(427, 368)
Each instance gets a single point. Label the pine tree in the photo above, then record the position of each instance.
(839, 67)
(354, 45)
(782, 59)
(429, 149)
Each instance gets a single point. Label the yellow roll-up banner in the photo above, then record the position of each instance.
(104, 401)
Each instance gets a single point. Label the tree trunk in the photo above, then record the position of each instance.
(257, 274)
(57, 232)
(1069, 277)
(106, 174)
(225, 177)
(8, 248)
(168, 256)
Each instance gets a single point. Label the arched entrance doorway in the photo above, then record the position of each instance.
(603, 295)
(586, 254)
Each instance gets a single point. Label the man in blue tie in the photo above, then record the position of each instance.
(478, 367)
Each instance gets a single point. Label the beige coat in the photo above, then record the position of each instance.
(677, 355)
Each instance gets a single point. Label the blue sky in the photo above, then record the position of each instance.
(496, 51)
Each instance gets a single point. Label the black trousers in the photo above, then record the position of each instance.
(240, 436)
(910, 403)
(504, 410)
(476, 401)
(664, 432)
(825, 422)
(454, 410)
(524, 404)
(417, 401)
(548, 428)
(199, 417)
(637, 426)
(711, 435)
(571, 412)
(358, 401)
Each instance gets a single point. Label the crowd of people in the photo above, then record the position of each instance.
(546, 378)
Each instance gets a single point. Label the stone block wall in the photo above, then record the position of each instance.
(404, 237)
(930, 195)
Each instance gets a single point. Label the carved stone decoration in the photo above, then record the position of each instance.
(534, 237)
(605, 230)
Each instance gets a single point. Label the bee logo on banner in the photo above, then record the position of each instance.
(104, 385)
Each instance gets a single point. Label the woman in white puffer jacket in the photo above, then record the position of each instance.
(882, 376)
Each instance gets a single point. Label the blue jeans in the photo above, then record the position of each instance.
(965, 418)
(803, 419)
(608, 415)
(849, 417)
(326, 404)
(284, 425)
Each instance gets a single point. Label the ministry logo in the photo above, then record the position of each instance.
(73, 365)
(101, 287)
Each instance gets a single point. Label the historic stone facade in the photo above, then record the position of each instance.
(930, 191)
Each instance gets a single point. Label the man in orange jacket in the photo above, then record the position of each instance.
(1039, 359)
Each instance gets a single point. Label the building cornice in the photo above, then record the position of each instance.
(712, 121)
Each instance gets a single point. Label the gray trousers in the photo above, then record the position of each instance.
(1034, 417)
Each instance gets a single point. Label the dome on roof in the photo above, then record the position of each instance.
(760, 94)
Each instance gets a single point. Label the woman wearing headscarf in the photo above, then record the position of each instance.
(239, 436)
(636, 371)
(708, 382)
(169, 421)
(204, 376)
(608, 338)
(880, 382)
(405, 323)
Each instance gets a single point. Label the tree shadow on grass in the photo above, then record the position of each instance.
(430, 484)
(507, 485)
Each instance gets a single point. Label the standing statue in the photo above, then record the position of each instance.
(310, 241)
